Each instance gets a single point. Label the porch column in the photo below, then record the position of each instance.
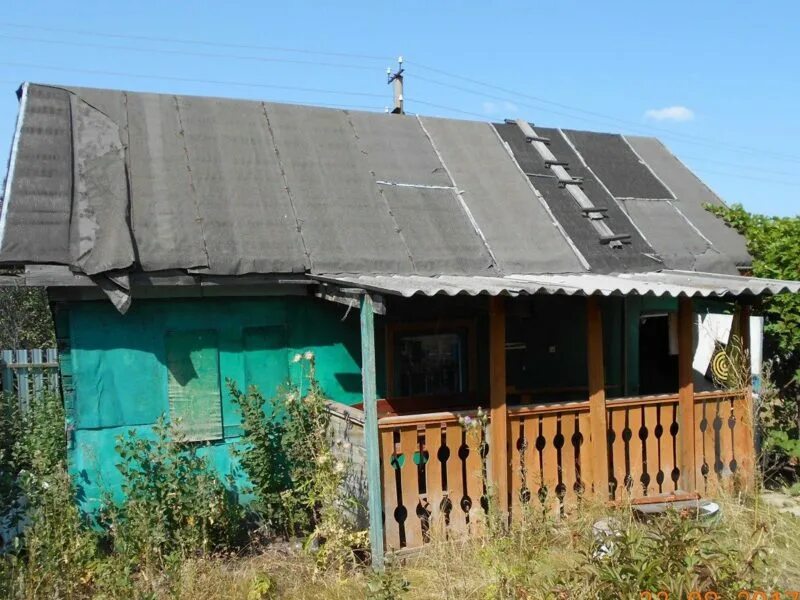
(686, 393)
(371, 431)
(597, 397)
(744, 444)
(498, 411)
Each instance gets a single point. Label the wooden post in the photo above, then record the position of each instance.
(371, 442)
(744, 442)
(686, 427)
(498, 411)
(597, 397)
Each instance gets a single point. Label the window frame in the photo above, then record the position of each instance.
(441, 326)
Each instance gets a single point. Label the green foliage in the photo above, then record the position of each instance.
(52, 555)
(298, 481)
(32, 445)
(174, 505)
(676, 553)
(262, 457)
(262, 587)
(774, 243)
(25, 319)
(390, 584)
(781, 442)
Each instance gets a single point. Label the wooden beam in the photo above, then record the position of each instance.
(597, 397)
(498, 411)
(744, 444)
(371, 441)
(686, 424)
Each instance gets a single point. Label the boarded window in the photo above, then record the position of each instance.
(193, 384)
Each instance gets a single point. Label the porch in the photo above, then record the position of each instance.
(588, 426)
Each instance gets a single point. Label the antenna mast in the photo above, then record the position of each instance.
(397, 79)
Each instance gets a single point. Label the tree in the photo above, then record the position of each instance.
(25, 319)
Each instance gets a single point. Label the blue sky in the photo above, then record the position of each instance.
(716, 81)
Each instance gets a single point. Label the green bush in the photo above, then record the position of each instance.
(174, 504)
(774, 243)
(676, 552)
(287, 453)
(54, 553)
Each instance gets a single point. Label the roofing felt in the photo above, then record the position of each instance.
(691, 197)
(633, 256)
(108, 181)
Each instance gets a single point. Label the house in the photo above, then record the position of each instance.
(558, 279)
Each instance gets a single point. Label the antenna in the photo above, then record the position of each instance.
(397, 79)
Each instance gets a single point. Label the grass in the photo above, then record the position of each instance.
(752, 546)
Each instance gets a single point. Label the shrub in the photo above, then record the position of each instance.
(53, 552)
(174, 505)
(287, 453)
(675, 552)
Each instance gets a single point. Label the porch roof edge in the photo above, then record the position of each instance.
(665, 283)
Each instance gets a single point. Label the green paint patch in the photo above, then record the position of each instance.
(397, 461)
(193, 384)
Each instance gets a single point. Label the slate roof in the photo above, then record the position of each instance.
(110, 182)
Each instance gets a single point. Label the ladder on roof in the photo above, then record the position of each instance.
(595, 214)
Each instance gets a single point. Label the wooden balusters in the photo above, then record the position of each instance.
(433, 484)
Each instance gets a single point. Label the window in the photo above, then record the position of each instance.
(430, 359)
(193, 384)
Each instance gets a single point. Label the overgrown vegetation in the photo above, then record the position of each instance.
(774, 243)
(176, 514)
(25, 319)
(298, 481)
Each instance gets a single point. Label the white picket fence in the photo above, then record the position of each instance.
(27, 373)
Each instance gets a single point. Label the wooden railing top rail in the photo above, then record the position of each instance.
(714, 394)
(549, 408)
(445, 416)
(576, 406)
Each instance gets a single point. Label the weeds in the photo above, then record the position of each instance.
(175, 506)
(299, 483)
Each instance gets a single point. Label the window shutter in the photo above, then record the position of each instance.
(193, 384)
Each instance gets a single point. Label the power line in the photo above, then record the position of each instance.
(741, 175)
(192, 80)
(738, 165)
(188, 53)
(687, 138)
(443, 107)
(745, 176)
(196, 42)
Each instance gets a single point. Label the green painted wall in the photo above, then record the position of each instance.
(120, 376)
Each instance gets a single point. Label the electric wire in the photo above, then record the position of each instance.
(192, 79)
(188, 53)
(516, 95)
(169, 40)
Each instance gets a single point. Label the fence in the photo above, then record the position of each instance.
(29, 372)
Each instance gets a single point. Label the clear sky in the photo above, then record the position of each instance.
(718, 82)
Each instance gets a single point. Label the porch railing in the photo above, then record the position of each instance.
(434, 479)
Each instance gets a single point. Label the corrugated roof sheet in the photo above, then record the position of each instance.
(660, 283)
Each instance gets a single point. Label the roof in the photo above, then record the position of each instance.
(663, 283)
(112, 184)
